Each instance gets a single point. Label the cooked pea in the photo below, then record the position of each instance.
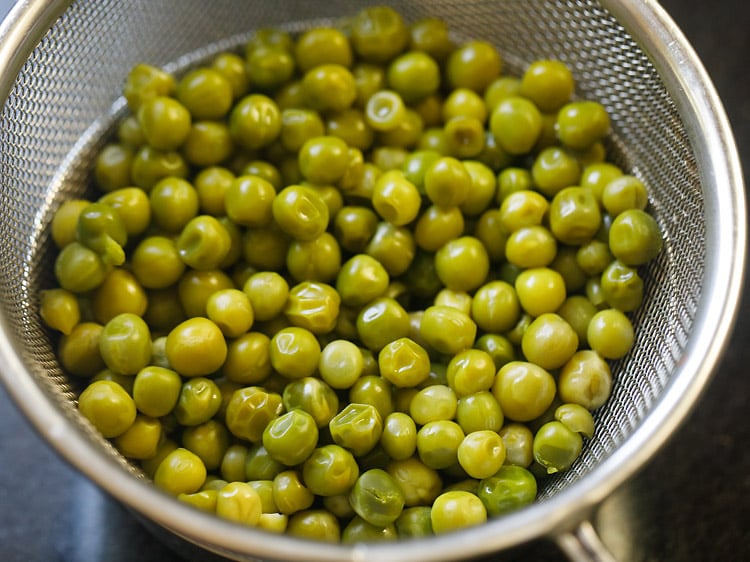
(125, 344)
(165, 122)
(195, 287)
(554, 169)
(540, 290)
(295, 352)
(290, 493)
(462, 264)
(622, 286)
(622, 193)
(404, 362)
(268, 292)
(585, 379)
(196, 347)
(379, 33)
(198, 402)
(395, 198)
(393, 246)
(455, 510)
(375, 391)
(548, 83)
(447, 330)
(108, 407)
(208, 440)
(576, 418)
(101, 229)
(518, 440)
(231, 311)
(313, 306)
(239, 502)
(481, 453)
(610, 333)
(330, 470)
(255, 121)
(473, 65)
(574, 215)
(203, 243)
(582, 123)
(438, 442)
(248, 200)
(377, 498)
(300, 212)
(549, 341)
(511, 488)
(358, 531)
(556, 446)
(329, 87)
(357, 427)
(59, 310)
(340, 364)
(314, 397)
(516, 124)
(181, 472)
(523, 390)
(414, 522)
(291, 437)
(634, 237)
(156, 390)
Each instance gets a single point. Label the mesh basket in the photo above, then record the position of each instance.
(63, 83)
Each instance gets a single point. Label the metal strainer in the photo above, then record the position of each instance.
(62, 65)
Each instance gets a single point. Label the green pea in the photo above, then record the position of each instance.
(554, 169)
(248, 200)
(622, 286)
(395, 198)
(150, 165)
(581, 123)
(268, 292)
(447, 330)
(145, 81)
(360, 531)
(357, 427)
(481, 453)
(259, 465)
(470, 371)
(165, 122)
(576, 418)
(255, 121)
(340, 364)
(393, 246)
(108, 407)
(404, 362)
(634, 237)
(438, 442)
(329, 87)
(174, 202)
(433, 403)
(198, 402)
(518, 440)
(313, 306)
(414, 522)
(378, 33)
(377, 498)
(291, 437)
(361, 279)
(374, 390)
(295, 352)
(101, 229)
(509, 489)
(300, 212)
(462, 264)
(196, 347)
(516, 123)
(473, 65)
(156, 390)
(331, 470)
(125, 344)
(181, 472)
(239, 502)
(478, 412)
(132, 205)
(316, 524)
(574, 215)
(399, 437)
(314, 397)
(622, 193)
(208, 440)
(523, 390)
(549, 341)
(59, 310)
(455, 510)
(585, 379)
(597, 175)
(610, 333)
(548, 83)
(556, 447)
(419, 483)
(540, 290)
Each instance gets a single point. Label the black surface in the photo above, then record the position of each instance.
(691, 502)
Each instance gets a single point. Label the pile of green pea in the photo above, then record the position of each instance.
(354, 283)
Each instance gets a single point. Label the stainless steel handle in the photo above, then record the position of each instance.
(583, 544)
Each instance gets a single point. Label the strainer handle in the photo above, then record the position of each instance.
(583, 544)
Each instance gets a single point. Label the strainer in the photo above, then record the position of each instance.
(62, 66)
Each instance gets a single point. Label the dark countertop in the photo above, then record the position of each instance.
(691, 502)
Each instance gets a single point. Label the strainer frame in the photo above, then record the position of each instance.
(558, 517)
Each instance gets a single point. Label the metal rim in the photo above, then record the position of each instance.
(712, 138)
